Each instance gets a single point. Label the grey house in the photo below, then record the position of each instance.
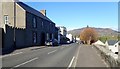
(24, 26)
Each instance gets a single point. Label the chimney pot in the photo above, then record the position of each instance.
(43, 12)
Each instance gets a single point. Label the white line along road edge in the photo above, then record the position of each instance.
(24, 63)
(77, 56)
(71, 62)
(52, 51)
(11, 55)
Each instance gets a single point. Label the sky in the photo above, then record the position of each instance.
(74, 15)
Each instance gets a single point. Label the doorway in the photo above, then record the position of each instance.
(42, 38)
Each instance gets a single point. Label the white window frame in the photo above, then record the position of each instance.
(6, 21)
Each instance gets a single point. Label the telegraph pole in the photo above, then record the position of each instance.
(14, 24)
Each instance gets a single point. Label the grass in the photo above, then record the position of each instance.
(104, 38)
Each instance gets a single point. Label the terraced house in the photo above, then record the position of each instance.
(24, 26)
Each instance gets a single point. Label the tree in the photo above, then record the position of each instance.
(88, 35)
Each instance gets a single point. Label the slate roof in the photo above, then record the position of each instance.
(32, 10)
(112, 42)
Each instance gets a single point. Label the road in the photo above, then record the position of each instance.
(71, 55)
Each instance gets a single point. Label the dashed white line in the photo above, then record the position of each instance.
(71, 62)
(11, 55)
(52, 51)
(24, 63)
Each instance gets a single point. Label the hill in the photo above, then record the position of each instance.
(101, 32)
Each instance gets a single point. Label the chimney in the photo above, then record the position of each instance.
(43, 12)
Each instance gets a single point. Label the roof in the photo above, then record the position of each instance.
(112, 42)
(56, 28)
(33, 11)
(99, 42)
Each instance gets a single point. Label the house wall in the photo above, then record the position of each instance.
(20, 26)
(46, 27)
(20, 17)
(23, 27)
(8, 31)
(1, 14)
(20, 37)
(8, 6)
(9, 28)
(29, 30)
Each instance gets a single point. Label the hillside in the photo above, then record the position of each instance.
(101, 32)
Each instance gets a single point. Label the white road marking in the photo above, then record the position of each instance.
(24, 63)
(11, 55)
(52, 51)
(71, 62)
(77, 56)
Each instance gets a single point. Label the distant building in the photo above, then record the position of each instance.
(62, 32)
(112, 45)
(78, 39)
(70, 37)
(24, 26)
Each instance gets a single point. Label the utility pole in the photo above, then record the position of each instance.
(14, 24)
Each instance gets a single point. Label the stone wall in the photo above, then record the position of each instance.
(110, 58)
(8, 44)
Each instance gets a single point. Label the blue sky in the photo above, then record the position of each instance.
(75, 15)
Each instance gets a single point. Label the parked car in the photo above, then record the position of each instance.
(52, 42)
(48, 43)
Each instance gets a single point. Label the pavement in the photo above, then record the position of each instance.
(67, 56)
(89, 57)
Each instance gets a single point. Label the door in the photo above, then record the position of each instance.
(42, 38)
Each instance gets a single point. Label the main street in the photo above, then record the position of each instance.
(69, 55)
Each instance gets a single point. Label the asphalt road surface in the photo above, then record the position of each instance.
(70, 55)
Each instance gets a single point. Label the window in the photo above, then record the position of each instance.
(34, 22)
(47, 36)
(6, 19)
(34, 37)
(42, 24)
